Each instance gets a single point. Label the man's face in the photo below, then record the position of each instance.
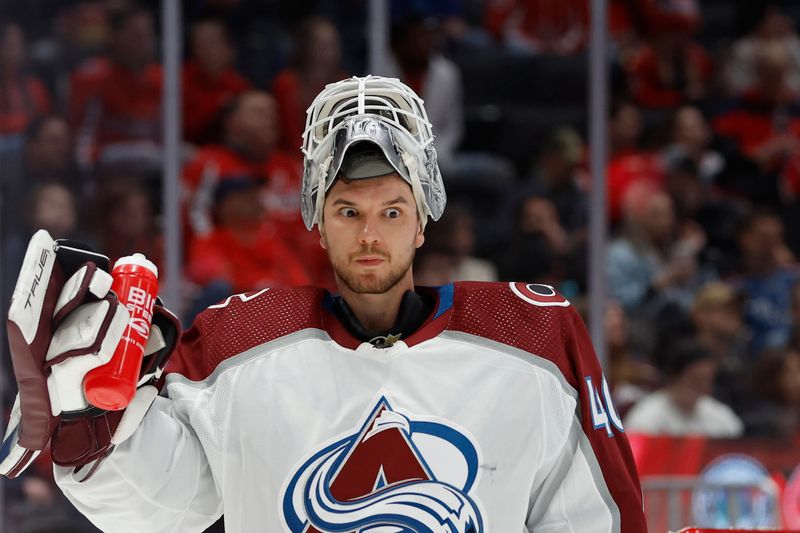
(325, 48)
(659, 218)
(51, 148)
(254, 126)
(135, 44)
(211, 48)
(12, 47)
(696, 381)
(241, 209)
(762, 239)
(691, 128)
(371, 231)
(626, 126)
(54, 210)
(133, 215)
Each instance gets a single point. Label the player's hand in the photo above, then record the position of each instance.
(64, 322)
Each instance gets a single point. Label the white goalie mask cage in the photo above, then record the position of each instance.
(381, 111)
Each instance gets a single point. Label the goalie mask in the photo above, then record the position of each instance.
(368, 127)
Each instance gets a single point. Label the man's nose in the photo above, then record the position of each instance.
(369, 232)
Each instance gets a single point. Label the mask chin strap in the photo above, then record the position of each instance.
(416, 187)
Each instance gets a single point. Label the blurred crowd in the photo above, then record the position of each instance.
(703, 181)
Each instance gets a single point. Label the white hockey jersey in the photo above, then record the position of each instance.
(493, 417)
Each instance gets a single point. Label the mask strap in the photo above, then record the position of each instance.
(416, 187)
(322, 174)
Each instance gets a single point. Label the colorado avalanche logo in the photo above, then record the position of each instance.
(393, 475)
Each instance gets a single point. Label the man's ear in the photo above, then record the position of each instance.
(322, 240)
(420, 238)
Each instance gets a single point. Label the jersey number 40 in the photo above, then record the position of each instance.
(604, 414)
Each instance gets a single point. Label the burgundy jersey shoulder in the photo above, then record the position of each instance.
(536, 319)
(532, 317)
(244, 321)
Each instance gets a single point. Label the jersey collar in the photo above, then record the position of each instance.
(346, 336)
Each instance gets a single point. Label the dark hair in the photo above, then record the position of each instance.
(302, 40)
(215, 132)
(520, 202)
(402, 26)
(754, 216)
(119, 18)
(681, 355)
(110, 194)
(233, 185)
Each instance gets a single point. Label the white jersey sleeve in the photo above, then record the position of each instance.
(159, 480)
(566, 500)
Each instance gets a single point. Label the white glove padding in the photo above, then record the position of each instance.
(83, 441)
(58, 334)
(80, 331)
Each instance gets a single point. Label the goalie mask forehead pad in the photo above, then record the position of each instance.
(362, 116)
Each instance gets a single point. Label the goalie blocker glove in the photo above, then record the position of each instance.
(63, 322)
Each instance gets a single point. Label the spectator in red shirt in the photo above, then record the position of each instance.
(209, 79)
(317, 61)
(244, 250)
(22, 96)
(117, 99)
(628, 163)
(629, 20)
(671, 70)
(250, 150)
(249, 142)
(764, 123)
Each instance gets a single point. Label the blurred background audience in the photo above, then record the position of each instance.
(315, 62)
(703, 177)
(209, 79)
(23, 96)
(684, 405)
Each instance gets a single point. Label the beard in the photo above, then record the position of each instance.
(372, 283)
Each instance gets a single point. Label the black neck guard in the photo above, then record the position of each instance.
(414, 309)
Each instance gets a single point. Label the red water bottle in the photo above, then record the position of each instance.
(113, 385)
